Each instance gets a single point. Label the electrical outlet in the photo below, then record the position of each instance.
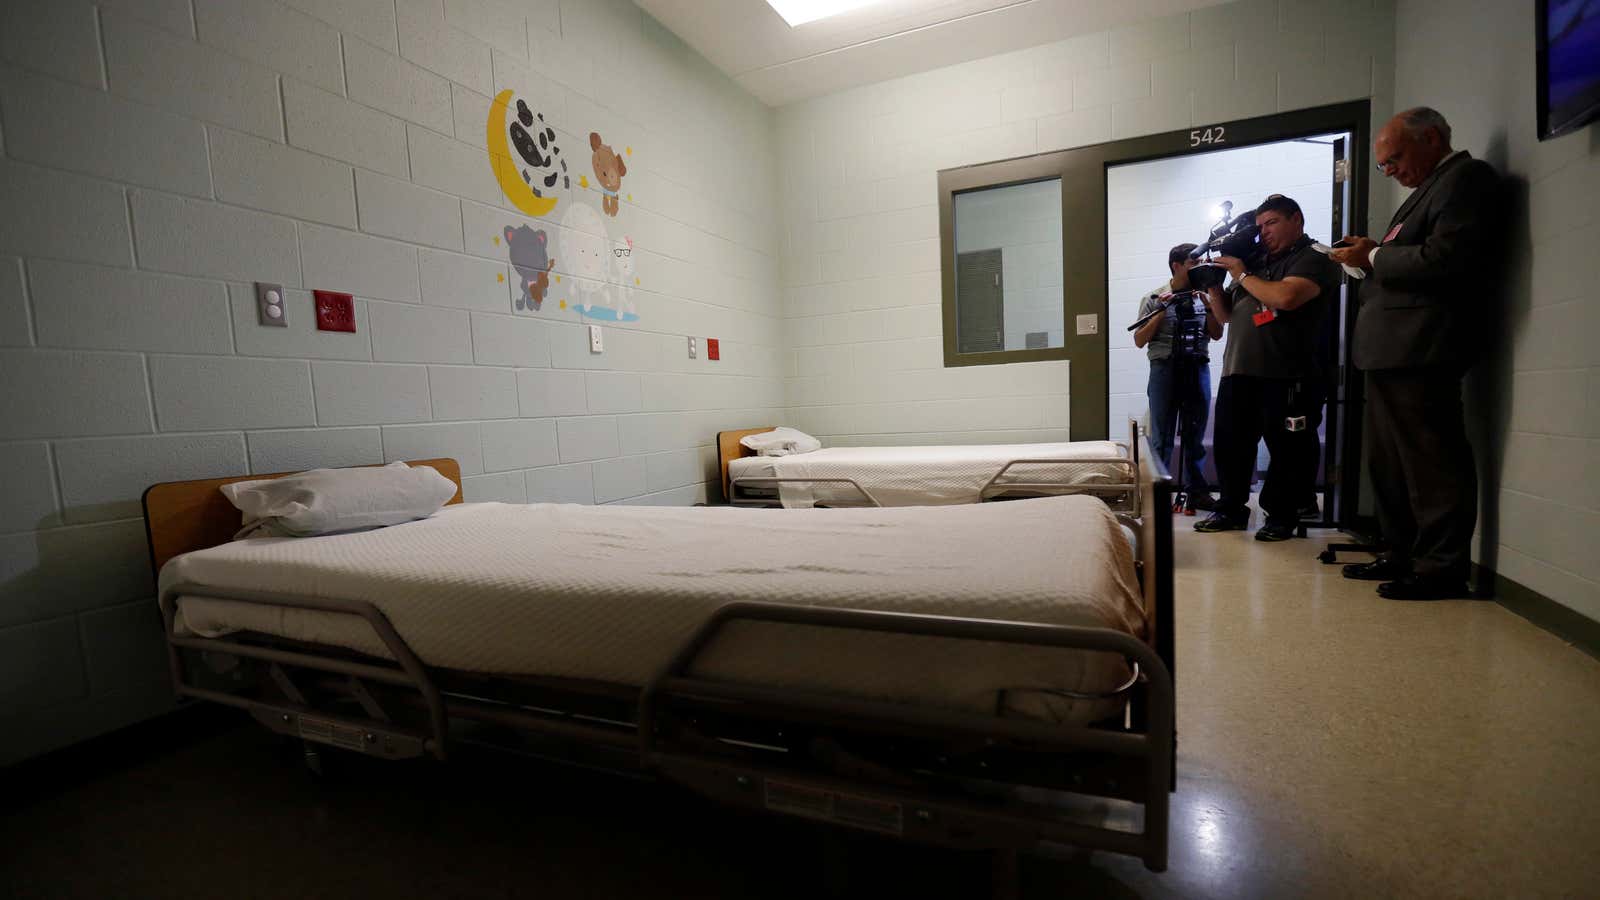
(1089, 323)
(596, 344)
(270, 308)
(694, 351)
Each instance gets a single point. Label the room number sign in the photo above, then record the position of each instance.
(1213, 135)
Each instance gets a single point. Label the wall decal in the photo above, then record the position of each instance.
(608, 170)
(597, 265)
(537, 166)
(531, 259)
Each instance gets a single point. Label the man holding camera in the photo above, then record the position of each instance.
(1273, 372)
(1175, 338)
(1418, 331)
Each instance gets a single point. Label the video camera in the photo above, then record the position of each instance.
(1189, 338)
(1236, 236)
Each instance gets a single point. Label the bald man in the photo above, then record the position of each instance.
(1420, 327)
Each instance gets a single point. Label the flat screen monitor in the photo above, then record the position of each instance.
(1568, 65)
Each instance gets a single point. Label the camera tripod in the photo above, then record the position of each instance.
(1189, 341)
(1178, 365)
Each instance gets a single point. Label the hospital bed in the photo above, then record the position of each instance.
(978, 677)
(928, 475)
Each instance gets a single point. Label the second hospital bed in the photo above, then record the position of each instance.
(934, 475)
(859, 667)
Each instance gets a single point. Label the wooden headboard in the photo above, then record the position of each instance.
(729, 449)
(183, 516)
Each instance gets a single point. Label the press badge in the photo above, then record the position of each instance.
(1264, 317)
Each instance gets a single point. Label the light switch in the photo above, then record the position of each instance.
(1089, 323)
(269, 305)
(694, 351)
(596, 345)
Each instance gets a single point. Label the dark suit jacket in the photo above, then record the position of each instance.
(1424, 302)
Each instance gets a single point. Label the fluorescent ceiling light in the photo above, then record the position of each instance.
(799, 12)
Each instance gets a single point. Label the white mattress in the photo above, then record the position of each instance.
(609, 593)
(929, 476)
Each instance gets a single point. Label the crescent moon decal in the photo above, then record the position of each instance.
(504, 165)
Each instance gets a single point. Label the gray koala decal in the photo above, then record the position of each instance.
(532, 261)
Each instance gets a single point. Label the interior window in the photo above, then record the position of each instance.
(1008, 268)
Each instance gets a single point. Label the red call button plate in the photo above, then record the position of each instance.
(335, 311)
(713, 348)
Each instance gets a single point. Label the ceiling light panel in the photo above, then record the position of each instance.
(799, 12)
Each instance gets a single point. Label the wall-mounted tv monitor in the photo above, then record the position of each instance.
(1568, 65)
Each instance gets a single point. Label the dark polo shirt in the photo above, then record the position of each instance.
(1290, 345)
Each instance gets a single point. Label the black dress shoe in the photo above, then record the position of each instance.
(1425, 587)
(1381, 569)
(1222, 522)
(1272, 533)
(1202, 500)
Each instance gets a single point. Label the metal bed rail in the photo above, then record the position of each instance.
(410, 672)
(996, 485)
(1153, 747)
(736, 500)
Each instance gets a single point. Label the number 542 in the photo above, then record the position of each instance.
(1214, 135)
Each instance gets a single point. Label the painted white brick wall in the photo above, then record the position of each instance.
(861, 288)
(265, 175)
(345, 261)
(93, 307)
(336, 144)
(333, 126)
(358, 394)
(309, 448)
(104, 135)
(1534, 403)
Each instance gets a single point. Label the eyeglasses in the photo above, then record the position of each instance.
(1384, 165)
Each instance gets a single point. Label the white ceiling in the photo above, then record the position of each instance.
(749, 41)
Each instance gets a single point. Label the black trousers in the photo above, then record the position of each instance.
(1422, 468)
(1250, 408)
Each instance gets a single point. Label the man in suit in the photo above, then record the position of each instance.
(1417, 333)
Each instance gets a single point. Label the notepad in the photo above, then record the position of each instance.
(1352, 271)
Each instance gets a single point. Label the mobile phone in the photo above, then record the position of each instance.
(1341, 243)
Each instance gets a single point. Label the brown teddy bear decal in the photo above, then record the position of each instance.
(608, 170)
(531, 260)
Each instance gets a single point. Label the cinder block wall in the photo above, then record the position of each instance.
(861, 227)
(158, 156)
(1534, 402)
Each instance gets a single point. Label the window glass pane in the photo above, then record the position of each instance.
(1008, 268)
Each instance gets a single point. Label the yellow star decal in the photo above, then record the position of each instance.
(630, 151)
(563, 304)
(630, 198)
(499, 276)
(497, 240)
(558, 279)
(583, 181)
(636, 281)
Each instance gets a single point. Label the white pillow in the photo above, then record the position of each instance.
(324, 501)
(781, 441)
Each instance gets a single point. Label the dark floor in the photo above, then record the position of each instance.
(222, 808)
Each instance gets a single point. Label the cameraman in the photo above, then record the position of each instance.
(1272, 373)
(1180, 375)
